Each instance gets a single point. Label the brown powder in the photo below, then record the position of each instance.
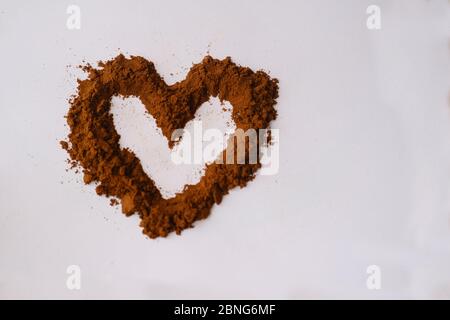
(94, 142)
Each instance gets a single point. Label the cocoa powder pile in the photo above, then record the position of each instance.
(93, 142)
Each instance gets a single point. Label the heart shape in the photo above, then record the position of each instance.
(169, 169)
(94, 142)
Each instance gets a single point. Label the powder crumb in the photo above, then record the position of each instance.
(128, 204)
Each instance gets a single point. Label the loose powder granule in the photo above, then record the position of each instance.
(93, 142)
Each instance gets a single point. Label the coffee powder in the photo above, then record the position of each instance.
(93, 142)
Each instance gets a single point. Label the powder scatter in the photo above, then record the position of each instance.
(93, 142)
(64, 145)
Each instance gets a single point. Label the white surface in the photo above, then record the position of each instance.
(364, 132)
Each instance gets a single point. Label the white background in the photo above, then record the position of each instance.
(365, 155)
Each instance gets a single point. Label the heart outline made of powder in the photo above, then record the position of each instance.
(94, 141)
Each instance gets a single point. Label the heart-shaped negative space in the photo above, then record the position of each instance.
(94, 142)
(167, 167)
